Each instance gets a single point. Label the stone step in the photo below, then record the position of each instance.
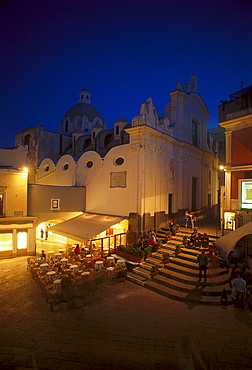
(142, 271)
(154, 259)
(188, 271)
(145, 265)
(194, 296)
(205, 288)
(135, 278)
(214, 278)
(185, 263)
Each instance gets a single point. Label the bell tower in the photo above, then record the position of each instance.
(84, 96)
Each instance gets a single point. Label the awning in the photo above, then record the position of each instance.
(227, 242)
(86, 226)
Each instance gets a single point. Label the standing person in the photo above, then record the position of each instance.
(203, 262)
(187, 218)
(192, 220)
(240, 285)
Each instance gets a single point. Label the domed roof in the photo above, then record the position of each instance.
(83, 109)
(121, 119)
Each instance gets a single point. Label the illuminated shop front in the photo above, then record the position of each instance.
(101, 233)
(17, 239)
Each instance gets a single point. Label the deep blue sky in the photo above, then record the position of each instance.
(123, 51)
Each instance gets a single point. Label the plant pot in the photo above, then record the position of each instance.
(130, 257)
(166, 261)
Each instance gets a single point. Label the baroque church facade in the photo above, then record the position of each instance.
(144, 171)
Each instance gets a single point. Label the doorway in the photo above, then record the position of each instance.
(170, 204)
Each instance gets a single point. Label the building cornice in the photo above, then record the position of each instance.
(237, 123)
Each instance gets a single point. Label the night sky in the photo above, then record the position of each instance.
(122, 51)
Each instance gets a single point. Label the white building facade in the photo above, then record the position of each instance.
(146, 171)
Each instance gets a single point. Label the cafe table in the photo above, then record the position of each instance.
(44, 267)
(51, 275)
(85, 273)
(58, 256)
(64, 261)
(98, 265)
(110, 259)
(57, 285)
(74, 267)
(110, 271)
(120, 262)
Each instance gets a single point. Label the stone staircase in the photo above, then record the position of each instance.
(177, 280)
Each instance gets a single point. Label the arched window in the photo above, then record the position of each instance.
(194, 133)
(108, 139)
(87, 142)
(27, 140)
(66, 126)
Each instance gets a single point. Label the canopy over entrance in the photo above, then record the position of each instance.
(86, 226)
(226, 243)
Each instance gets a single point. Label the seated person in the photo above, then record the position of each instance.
(77, 249)
(43, 255)
(205, 240)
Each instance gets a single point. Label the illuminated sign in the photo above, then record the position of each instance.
(246, 194)
(229, 220)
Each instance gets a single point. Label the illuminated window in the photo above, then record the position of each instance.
(5, 242)
(246, 194)
(22, 240)
(1, 204)
(55, 204)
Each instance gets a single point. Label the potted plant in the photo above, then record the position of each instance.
(185, 238)
(159, 243)
(154, 270)
(177, 228)
(178, 249)
(147, 252)
(166, 258)
(131, 252)
(195, 229)
(168, 235)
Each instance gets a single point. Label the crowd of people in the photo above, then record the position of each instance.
(148, 239)
(240, 279)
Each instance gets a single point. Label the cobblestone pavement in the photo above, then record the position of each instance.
(121, 326)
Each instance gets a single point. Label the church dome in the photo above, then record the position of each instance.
(82, 117)
(83, 109)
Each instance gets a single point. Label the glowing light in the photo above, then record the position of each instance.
(221, 167)
(5, 242)
(22, 240)
(25, 169)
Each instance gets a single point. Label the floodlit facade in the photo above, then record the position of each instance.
(235, 117)
(17, 229)
(145, 171)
